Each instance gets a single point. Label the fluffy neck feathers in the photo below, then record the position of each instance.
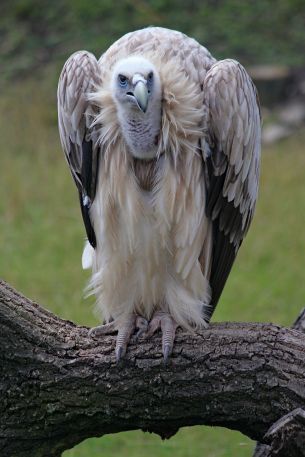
(141, 130)
(179, 121)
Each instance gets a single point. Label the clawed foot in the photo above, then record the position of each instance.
(164, 321)
(124, 331)
(160, 320)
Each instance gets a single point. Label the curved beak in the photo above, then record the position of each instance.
(141, 94)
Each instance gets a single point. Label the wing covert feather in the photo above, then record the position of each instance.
(234, 131)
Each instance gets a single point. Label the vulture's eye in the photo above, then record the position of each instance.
(122, 80)
(150, 77)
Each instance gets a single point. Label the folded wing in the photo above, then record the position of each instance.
(234, 134)
(79, 77)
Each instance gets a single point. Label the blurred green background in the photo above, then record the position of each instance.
(39, 31)
(41, 232)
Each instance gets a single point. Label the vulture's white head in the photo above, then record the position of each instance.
(137, 92)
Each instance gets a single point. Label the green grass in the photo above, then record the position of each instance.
(189, 442)
(41, 238)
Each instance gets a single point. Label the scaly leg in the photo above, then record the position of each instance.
(124, 331)
(168, 326)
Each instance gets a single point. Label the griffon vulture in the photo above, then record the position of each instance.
(163, 143)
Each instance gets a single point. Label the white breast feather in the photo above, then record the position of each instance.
(148, 244)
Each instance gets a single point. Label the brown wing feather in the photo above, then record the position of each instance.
(234, 130)
(79, 77)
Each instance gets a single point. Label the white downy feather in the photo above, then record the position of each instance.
(87, 257)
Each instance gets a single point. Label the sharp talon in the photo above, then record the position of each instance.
(119, 353)
(167, 350)
(163, 320)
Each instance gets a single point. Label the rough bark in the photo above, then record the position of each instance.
(59, 387)
(287, 435)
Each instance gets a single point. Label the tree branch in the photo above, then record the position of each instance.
(59, 387)
(287, 435)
